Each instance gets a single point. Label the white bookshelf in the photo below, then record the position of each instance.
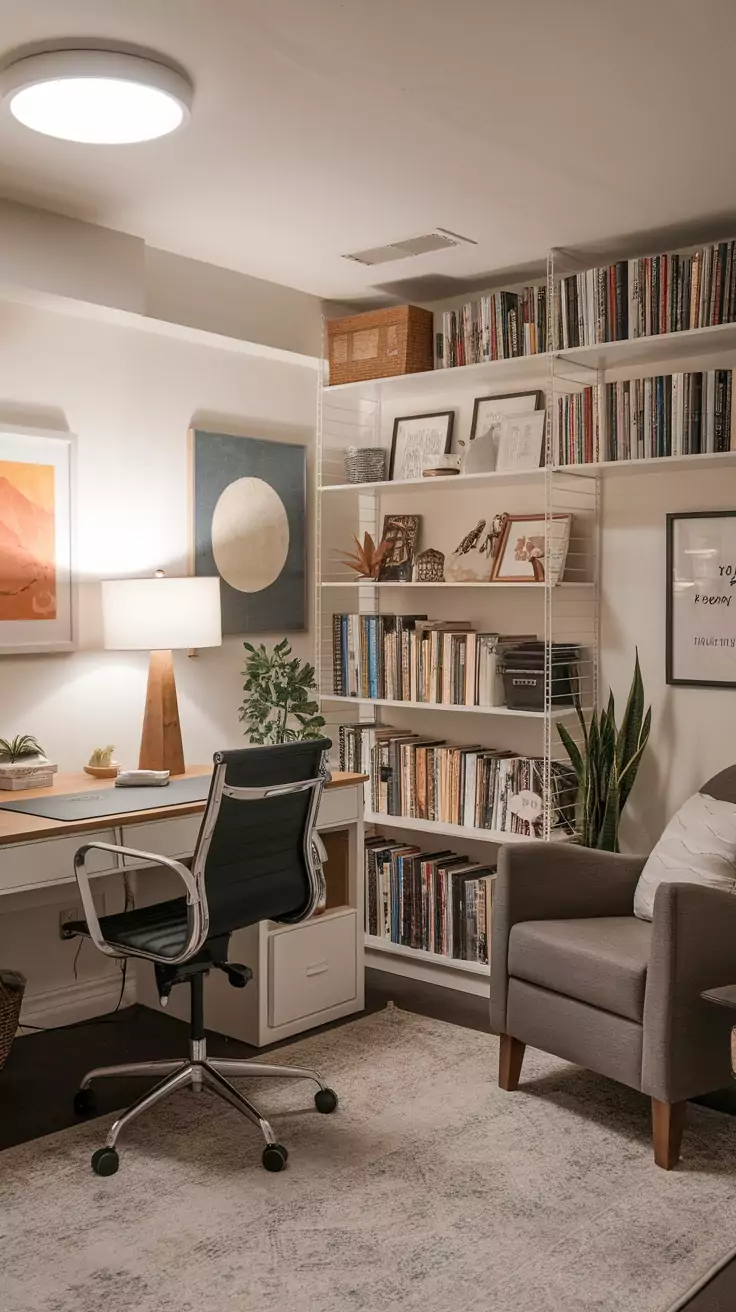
(362, 414)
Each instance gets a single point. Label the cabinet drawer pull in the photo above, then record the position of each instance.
(318, 968)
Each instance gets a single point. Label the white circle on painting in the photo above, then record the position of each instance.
(250, 535)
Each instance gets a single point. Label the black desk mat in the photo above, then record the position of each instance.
(112, 801)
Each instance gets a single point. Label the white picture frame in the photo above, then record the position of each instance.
(481, 454)
(521, 441)
(38, 611)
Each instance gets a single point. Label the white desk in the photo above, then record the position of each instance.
(303, 975)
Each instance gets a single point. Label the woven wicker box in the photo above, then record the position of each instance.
(380, 344)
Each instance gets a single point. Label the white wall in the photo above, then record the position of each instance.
(693, 729)
(130, 397)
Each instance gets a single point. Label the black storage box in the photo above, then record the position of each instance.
(523, 675)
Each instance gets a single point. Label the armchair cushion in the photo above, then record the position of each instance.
(601, 960)
(697, 847)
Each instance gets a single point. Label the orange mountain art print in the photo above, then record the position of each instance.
(27, 542)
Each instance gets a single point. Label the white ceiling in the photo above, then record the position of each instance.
(325, 126)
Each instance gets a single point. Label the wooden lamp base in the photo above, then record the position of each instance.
(161, 745)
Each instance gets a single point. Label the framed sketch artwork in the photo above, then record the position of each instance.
(249, 526)
(701, 598)
(417, 442)
(37, 600)
(489, 415)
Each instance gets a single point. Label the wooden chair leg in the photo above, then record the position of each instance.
(668, 1121)
(510, 1058)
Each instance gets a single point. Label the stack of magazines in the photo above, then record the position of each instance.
(431, 901)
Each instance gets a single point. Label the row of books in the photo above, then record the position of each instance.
(498, 326)
(642, 418)
(431, 901)
(411, 658)
(456, 784)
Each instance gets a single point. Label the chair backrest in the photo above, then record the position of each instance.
(254, 856)
(722, 786)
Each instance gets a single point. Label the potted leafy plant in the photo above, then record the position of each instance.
(606, 764)
(280, 704)
(23, 763)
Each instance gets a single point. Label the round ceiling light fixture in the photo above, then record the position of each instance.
(99, 97)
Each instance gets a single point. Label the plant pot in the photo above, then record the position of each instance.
(30, 772)
(110, 771)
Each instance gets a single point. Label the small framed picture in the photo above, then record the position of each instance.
(488, 411)
(701, 599)
(402, 532)
(521, 441)
(418, 440)
(525, 556)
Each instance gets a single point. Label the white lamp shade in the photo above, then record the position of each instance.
(161, 614)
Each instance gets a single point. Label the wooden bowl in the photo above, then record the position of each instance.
(103, 771)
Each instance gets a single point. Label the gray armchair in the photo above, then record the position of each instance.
(575, 973)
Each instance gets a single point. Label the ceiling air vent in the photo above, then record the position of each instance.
(437, 240)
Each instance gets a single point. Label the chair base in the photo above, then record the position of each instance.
(199, 1072)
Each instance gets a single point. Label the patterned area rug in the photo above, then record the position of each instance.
(429, 1189)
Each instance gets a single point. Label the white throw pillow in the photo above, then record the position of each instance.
(697, 847)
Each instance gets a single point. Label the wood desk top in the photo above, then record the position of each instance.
(17, 827)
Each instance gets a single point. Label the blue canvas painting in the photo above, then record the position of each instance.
(249, 526)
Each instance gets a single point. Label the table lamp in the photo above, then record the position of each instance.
(156, 615)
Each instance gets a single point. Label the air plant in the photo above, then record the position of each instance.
(367, 559)
(19, 748)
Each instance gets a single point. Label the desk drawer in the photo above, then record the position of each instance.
(339, 806)
(164, 837)
(51, 860)
(311, 967)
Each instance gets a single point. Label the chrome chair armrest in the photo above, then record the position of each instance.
(197, 913)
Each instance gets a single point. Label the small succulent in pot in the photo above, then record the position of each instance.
(21, 749)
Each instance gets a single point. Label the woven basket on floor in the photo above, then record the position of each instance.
(12, 986)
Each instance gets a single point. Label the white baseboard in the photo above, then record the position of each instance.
(73, 1002)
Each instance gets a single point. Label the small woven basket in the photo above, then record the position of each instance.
(12, 987)
(366, 464)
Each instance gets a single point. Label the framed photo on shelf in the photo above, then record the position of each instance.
(417, 441)
(525, 556)
(701, 599)
(37, 593)
(481, 455)
(401, 531)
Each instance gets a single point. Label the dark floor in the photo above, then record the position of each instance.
(43, 1072)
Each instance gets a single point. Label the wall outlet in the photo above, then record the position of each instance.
(70, 914)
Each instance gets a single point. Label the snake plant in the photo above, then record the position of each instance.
(606, 764)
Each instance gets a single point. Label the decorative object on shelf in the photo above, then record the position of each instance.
(101, 764)
(37, 613)
(23, 764)
(472, 559)
(481, 455)
(701, 599)
(429, 566)
(521, 442)
(525, 556)
(249, 526)
(380, 344)
(12, 988)
(280, 704)
(365, 464)
(606, 764)
(442, 467)
(417, 441)
(366, 560)
(401, 533)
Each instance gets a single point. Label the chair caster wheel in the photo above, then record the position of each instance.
(85, 1103)
(105, 1161)
(274, 1157)
(325, 1100)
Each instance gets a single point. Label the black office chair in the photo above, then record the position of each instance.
(257, 857)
